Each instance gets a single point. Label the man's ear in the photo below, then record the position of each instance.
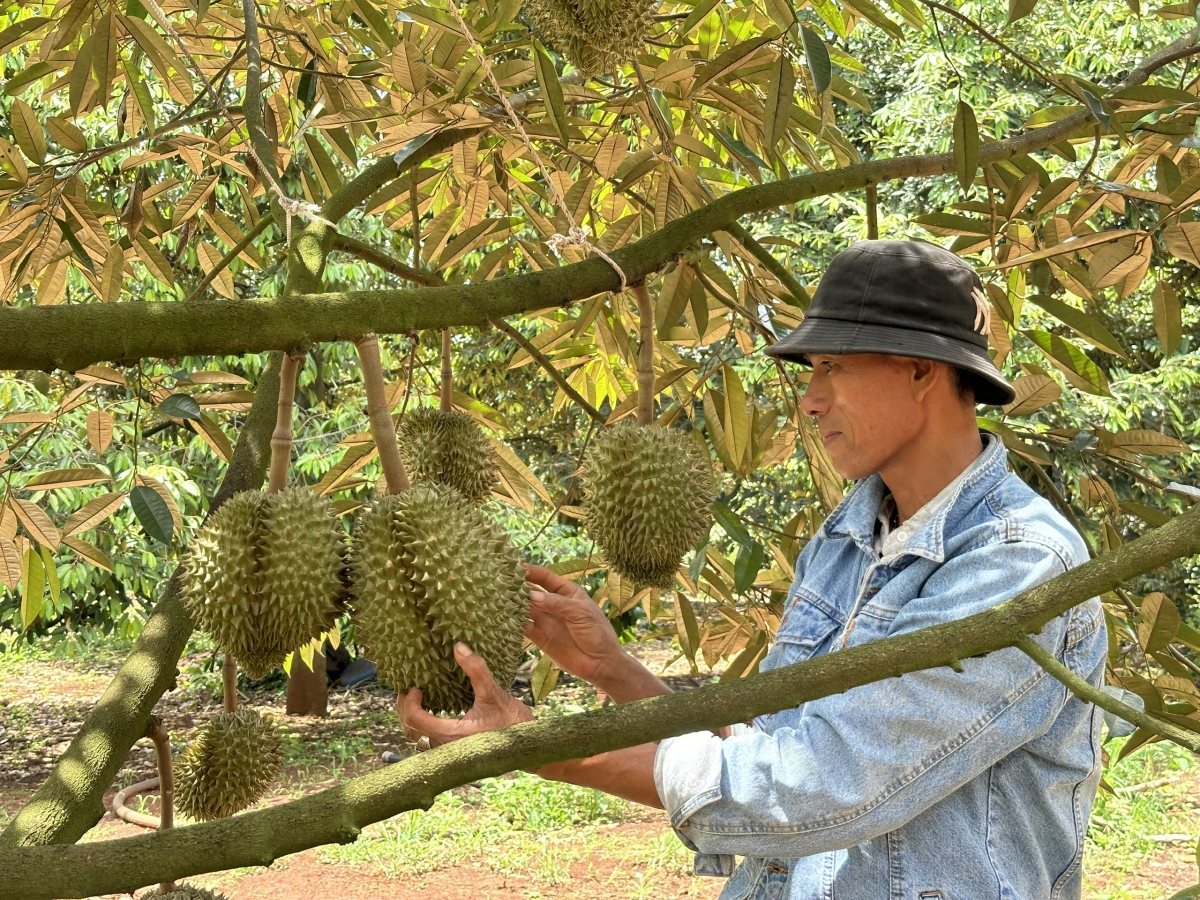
(923, 375)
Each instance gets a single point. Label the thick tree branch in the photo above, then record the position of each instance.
(381, 260)
(69, 802)
(548, 367)
(339, 814)
(72, 337)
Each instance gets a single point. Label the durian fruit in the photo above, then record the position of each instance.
(263, 576)
(230, 764)
(447, 447)
(595, 35)
(429, 569)
(648, 500)
(185, 892)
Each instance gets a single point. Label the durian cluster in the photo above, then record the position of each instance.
(595, 35)
(230, 764)
(447, 447)
(429, 569)
(185, 892)
(263, 577)
(649, 497)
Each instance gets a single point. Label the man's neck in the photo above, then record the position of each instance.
(919, 472)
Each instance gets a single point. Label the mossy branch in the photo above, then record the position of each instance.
(70, 800)
(339, 814)
(645, 372)
(381, 260)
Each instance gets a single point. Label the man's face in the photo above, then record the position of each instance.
(866, 406)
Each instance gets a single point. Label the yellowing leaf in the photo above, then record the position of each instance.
(33, 578)
(1033, 392)
(154, 260)
(408, 68)
(189, 204)
(544, 678)
(90, 552)
(27, 129)
(210, 258)
(36, 523)
(1168, 317)
(966, 144)
(1147, 443)
(112, 274)
(611, 153)
(737, 423)
(216, 377)
(104, 56)
(1183, 240)
(99, 430)
(10, 564)
(212, 434)
(93, 513)
(101, 373)
(1160, 621)
(67, 134)
(64, 478)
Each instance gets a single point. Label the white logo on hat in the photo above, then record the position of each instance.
(983, 312)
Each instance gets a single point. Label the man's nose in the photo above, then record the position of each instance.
(815, 401)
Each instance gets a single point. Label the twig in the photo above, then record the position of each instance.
(872, 213)
(383, 429)
(261, 226)
(381, 260)
(645, 375)
(770, 263)
(1088, 692)
(577, 398)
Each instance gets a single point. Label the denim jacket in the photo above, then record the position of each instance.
(938, 785)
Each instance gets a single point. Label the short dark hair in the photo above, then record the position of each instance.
(967, 384)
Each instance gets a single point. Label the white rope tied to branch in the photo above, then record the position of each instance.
(290, 206)
(576, 235)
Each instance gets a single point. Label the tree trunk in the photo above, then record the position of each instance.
(308, 690)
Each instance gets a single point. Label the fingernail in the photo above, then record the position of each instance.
(462, 648)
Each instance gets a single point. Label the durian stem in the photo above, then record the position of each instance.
(281, 438)
(157, 733)
(383, 429)
(645, 378)
(229, 683)
(447, 373)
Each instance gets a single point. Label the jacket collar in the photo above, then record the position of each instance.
(856, 515)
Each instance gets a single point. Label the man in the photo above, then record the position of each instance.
(938, 785)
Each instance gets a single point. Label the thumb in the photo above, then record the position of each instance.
(476, 669)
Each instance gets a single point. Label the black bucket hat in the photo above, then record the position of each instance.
(901, 298)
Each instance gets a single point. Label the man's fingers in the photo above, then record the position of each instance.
(552, 581)
(476, 669)
(415, 719)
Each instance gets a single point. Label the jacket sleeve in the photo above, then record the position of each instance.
(860, 764)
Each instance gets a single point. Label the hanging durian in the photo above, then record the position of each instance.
(447, 447)
(186, 892)
(263, 576)
(444, 446)
(429, 569)
(649, 491)
(595, 35)
(228, 766)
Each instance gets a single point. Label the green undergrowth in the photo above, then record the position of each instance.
(1128, 851)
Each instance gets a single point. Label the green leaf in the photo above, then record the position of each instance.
(733, 526)
(699, 558)
(1019, 9)
(1096, 107)
(306, 90)
(1081, 323)
(152, 513)
(686, 627)
(817, 55)
(1073, 362)
(33, 585)
(544, 678)
(749, 653)
(778, 111)
(1168, 317)
(552, 92)
(966, 144)
(180, 406)
(696, 16)
(746, 566)
(51, 571)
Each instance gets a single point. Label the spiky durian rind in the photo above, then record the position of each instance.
(429, 570)
(649, 497)
(263, 576)
(595, 35)
(447, 447)
(186, 892)
(228, 766)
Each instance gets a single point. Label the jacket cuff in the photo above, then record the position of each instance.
(687, 773)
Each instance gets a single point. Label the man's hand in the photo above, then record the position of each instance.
(568, 626)
(494, 707)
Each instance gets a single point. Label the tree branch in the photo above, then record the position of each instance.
(548, 367)
(339, 814)
(70, 800)
(233, 254)
(381, 260)
(1091, 694)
